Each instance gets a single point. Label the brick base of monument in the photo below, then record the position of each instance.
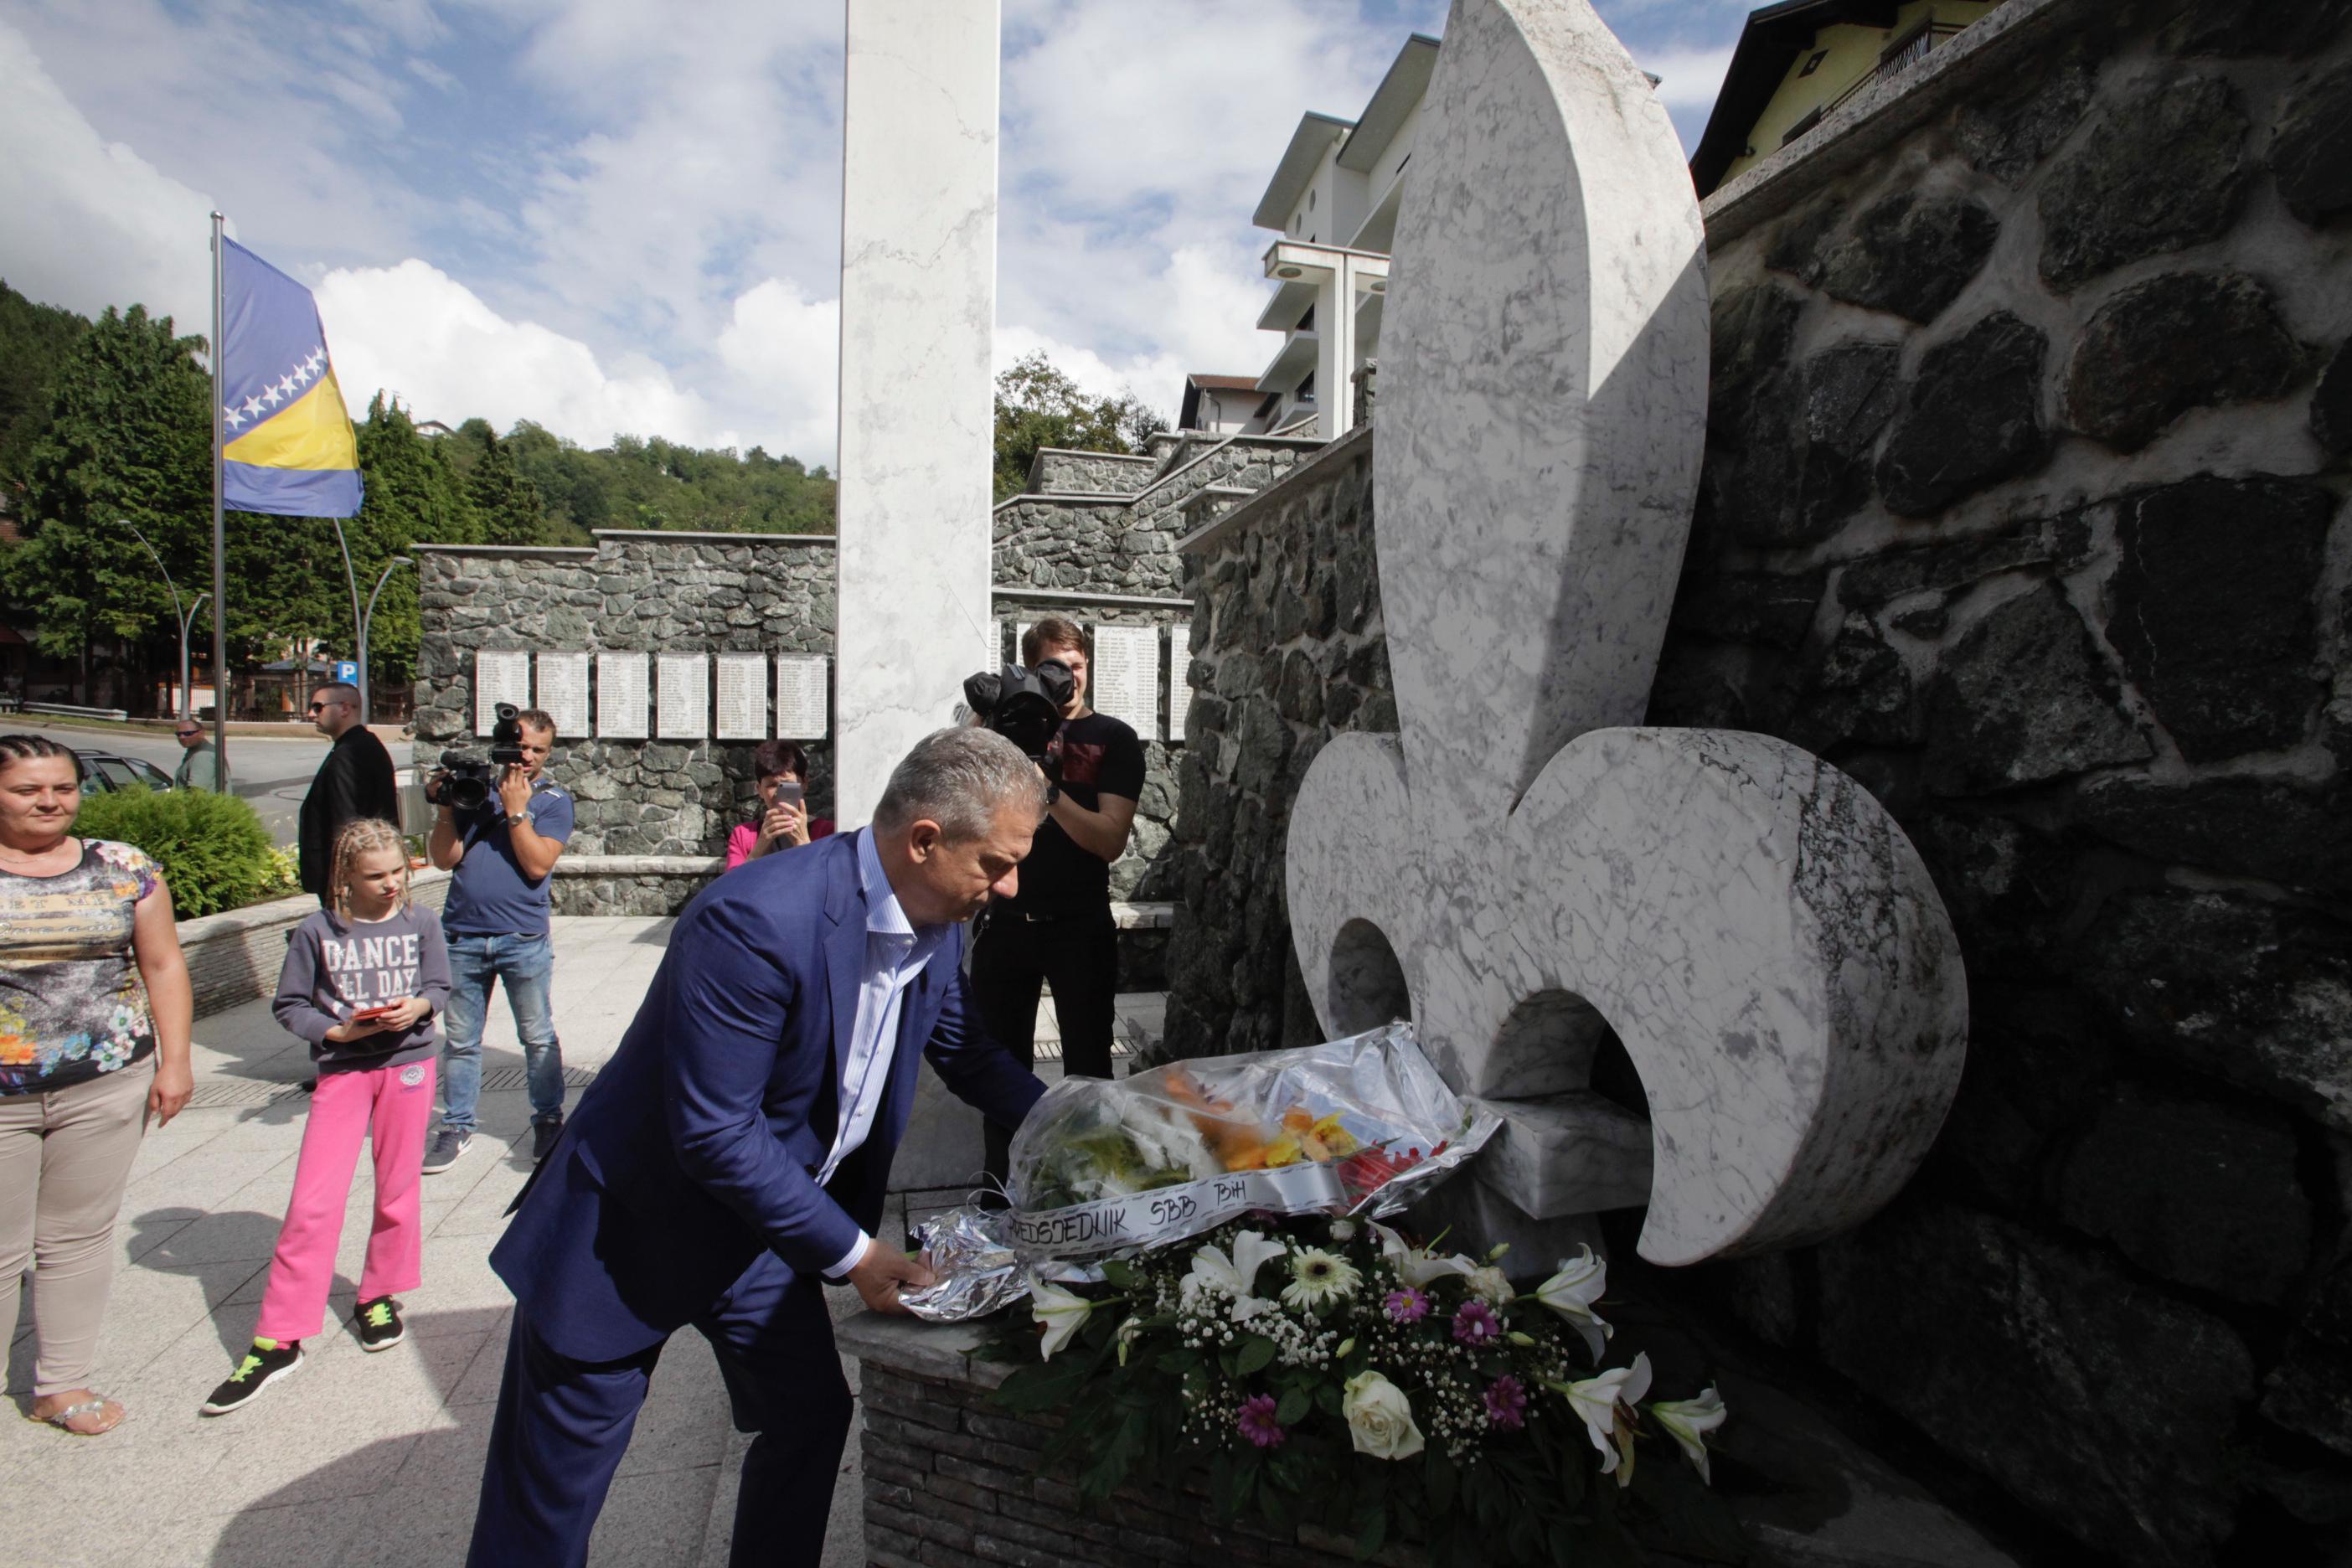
(950, 1480)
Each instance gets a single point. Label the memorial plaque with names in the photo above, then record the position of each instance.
(500, 675)
(563, 692)
(801, 701)
(742, 697)
(1126, 677)
(623, 696)
(1179, 678)
(1019, 636)
(682, 695)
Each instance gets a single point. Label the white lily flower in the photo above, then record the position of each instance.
(1572, 1292)
(1688, 1421)
(1418, 1266)
(1597, 1399)
(1062, 1312)
(1128, 1332)
(1233, 1276)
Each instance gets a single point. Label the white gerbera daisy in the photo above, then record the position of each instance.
(1317, 1276)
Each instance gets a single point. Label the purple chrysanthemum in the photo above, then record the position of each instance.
(1475, 1323)
(1507, 1402)
(1407, 1306)
(1257, 1423)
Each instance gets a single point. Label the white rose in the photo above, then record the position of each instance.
(1379, 1417)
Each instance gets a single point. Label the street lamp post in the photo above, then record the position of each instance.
(187, 706)
(367, 689)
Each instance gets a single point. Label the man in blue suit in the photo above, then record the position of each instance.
(737, 1148)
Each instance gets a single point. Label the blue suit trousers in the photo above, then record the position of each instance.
(562, 1426)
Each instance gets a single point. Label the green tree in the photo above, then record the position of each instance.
(414, 494)
(1038, 405)
(128, 439)
(33, 340)
(507, 504)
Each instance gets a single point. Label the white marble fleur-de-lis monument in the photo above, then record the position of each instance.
(1525, 859)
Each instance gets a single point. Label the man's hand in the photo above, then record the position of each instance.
(882, 1271)
(514, 792)
(436, 788)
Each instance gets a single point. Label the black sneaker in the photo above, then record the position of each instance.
(379, 1323)
(264, 1363)
(543, 1138)
(447, 1146)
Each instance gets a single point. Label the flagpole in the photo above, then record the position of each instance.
(359, 652)
(220, 553)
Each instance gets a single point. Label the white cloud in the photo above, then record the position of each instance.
(414, 331)
(1687, 78)
(781, 349)
(98, 225)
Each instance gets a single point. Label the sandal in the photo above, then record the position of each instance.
(62, 1418)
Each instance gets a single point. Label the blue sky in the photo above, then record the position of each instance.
(608, 217)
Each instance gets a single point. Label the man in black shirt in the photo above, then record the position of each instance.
(355, 780)
(1057, 928)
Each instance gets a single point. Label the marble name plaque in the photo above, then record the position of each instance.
(563, 692)
(742, 697)
(1180, 679)
(802, 696)
(1126, 677)
(623, 696)
(682, 695)
(500, 675)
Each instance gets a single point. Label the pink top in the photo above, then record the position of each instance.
(746, 834)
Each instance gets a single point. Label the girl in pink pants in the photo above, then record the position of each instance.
(363, 983)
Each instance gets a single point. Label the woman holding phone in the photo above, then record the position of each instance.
(783, 824)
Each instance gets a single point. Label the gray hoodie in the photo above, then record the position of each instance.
(336, 966)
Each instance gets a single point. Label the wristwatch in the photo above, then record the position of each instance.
(517, 818)
(1053, 793)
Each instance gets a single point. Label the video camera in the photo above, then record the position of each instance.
(473, 781)
(1024, 706)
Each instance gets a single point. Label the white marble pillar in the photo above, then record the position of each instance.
(918, 309)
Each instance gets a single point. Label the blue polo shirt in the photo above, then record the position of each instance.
(488, 894)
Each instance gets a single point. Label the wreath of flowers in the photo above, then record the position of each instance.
(1329, 1371)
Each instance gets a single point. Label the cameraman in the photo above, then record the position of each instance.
(497, 923)
(1057, 929)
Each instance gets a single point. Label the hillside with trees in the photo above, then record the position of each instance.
(109, 422)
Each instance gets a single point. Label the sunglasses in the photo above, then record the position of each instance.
(316, 706)
(187, 734)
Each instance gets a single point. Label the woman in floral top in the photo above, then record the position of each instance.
(95, 1009)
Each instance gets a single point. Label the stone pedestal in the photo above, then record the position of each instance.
(949, 1480)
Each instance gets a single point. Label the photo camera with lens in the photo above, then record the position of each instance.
(473, 781)
(1024, 706)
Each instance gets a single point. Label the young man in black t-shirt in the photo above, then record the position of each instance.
(1057, 929)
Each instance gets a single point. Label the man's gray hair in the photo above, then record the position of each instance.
(960, 779)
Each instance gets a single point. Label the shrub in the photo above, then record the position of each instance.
(214, 850)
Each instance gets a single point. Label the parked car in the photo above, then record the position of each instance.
(105, 770)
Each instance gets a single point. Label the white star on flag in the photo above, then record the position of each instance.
(252, 407)
(229, 412)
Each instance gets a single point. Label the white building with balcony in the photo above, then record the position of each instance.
(1333, 203)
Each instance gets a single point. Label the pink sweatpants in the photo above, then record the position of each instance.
(398, 1101)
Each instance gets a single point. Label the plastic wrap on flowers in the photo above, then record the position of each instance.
(977, 1270)
(1357, 1126)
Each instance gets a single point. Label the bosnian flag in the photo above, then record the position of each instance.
(286, 445)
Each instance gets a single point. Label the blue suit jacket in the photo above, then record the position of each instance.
(698, 1146)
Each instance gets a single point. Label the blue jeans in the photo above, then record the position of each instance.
(476, 964)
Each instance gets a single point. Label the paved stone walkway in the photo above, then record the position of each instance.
(358, 1458)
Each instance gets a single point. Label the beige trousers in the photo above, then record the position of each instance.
(63, 1159)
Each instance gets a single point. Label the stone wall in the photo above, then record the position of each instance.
(637, 593)
(948, 1484)
(1057, 471)
(2024, 503)
(1288, 651)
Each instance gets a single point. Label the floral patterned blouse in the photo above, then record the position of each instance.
(73, 1004)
